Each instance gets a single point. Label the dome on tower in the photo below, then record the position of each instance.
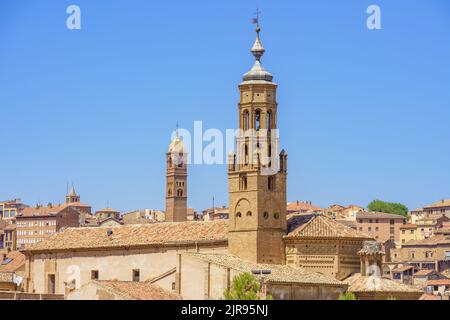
(177, 145)
(258, 73)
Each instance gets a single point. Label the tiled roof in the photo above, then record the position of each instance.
(41, 211)
(403, 269)
(279, 273)
(423, 272)
(78, 204)
(442, 203)
(302, 206)
(16, 260)
(129, 290)
(429, 297)
(322, 227)
(439, 282)
(358, 283)
(378, 215)
(133, 236)
(437, 239)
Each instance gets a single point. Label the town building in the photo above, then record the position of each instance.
(73, 200)
(35, 224)
(303, 207)
(106, 213)
(408, 232)
(324, 245)
(176, 181)
(438, 208)
(382, 226)
(12, 271)
(431, 253)
(143, 216)
(428, 225)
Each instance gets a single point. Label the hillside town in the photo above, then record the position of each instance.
(297, 250)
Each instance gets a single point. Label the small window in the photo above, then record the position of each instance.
(266, 215)
(136, 275)
(249, 214)
(94, 275)
(238, 215)
(173, 286)
(276, 216)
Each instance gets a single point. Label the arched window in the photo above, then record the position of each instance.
(271, 183)
(244, 182)
(249, 214)
(246, 158)
(276, 216)
(258, 120)
(266, 215)
(180, 193)
(238, 215)
(269, 120)
(246, 119)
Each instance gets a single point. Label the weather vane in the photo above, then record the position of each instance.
(256, 19)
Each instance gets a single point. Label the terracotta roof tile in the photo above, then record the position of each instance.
(437, 239)
(17, 260)
(133, 235)
(442, 203)
(358, 283)
(279, 273)
(302, 206)
(378, 215)
(438, 282)
(129, 290)
(322, 227)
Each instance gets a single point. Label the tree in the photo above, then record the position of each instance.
(347, 296)
(388, 207)
(244, 287)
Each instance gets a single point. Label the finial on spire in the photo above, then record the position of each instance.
(176, 130)
(257, 49)
(256, 20)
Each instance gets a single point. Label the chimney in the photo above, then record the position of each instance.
(50, 205)
(298, 202)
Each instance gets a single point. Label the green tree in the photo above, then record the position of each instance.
(388, 207)
(347, 296)
(244, 287)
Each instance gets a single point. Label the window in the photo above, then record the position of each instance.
(276, 216)
(136, 275)
(246, 117)
(268, 120)
(266, 215)
(249, 214)
(243, 184)
(271, 183)
(377, 229)
(94, 274)
(238, 215)
(411, 231)
(369, 229)
(429, 254)
(51, 284)
(258, 120)
(403, 231)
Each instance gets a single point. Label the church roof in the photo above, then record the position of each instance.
(322, 227)
(133, 235)
(279, 273)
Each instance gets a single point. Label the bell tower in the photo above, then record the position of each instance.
(176, 181)
(257, 172)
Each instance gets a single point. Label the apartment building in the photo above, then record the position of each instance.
(36, 224)
(382, 226)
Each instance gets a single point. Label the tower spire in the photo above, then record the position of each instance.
(257, 49)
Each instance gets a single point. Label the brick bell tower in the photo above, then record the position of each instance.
(176, 181)
(257, 173)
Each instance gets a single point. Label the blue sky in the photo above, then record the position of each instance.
(363, 114)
